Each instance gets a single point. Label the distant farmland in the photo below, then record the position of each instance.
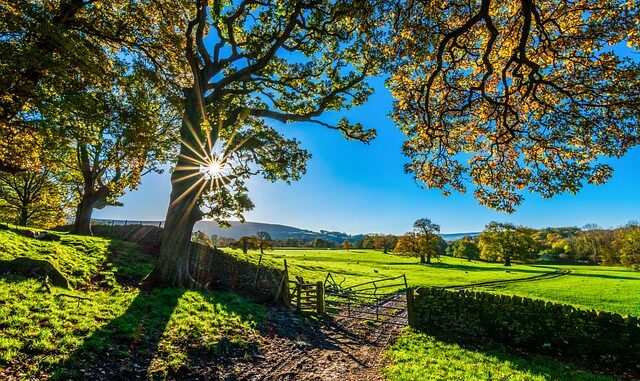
(614, 289)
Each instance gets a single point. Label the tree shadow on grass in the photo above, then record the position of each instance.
(549, 366)
(605, 276)
(124, 348)
(471, 267)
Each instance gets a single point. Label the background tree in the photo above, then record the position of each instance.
(264, 241)
(117, 132)
(201, 238)
(594, 244)
(514, 96)
(226, 242)
(291, 242)
(503, 241)
(629, 243)
(429, 231)
(243, 75)
(346, 244)
(319, 242)
(245, 243)
(214, 240)
(30, 198)
(411, 244)
(54, 47)
(465, 248)
(384, 242)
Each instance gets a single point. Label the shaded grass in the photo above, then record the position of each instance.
(118, 332)
(417, 356)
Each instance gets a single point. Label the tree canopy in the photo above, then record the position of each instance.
(513, 96)
(504, 241)
(56, 47)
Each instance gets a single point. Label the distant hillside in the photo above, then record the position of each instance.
(238, 230)
(455, 236)
(276, 231)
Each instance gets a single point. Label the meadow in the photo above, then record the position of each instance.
(117, 331)
(607, 288)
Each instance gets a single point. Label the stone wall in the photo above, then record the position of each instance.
(595, 337)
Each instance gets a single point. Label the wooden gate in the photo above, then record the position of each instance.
(377, 300)
(307, 297)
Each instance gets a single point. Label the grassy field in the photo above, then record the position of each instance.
(119, 332)
(417, 356)
(614, 289)
(117, 328)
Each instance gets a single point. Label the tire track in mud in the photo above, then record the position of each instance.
(556, 274)
(338, 348)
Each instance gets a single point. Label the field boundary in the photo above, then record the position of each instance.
(556, 274)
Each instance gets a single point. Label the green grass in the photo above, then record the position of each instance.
(119, 328)
(614, 289)
(417, 356)
(355, 266)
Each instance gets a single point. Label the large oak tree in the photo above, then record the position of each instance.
(509, 96)
(253, 64)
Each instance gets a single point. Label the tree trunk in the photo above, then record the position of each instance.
(429, 258)
(84, 210)
(422, 259)
(24, 216)
(172, 267)
(507, 261)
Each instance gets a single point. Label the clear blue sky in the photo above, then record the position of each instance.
(359, 188)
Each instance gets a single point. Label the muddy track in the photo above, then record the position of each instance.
(556, 274)
(342, 349)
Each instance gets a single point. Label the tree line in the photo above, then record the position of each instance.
(590, 245)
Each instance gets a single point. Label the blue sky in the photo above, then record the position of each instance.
(358, 188)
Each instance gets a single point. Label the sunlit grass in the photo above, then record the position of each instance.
(615, 289)
(417, 357)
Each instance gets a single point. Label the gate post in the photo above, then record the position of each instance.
(410, 308)
(298, 295)
(320, 296)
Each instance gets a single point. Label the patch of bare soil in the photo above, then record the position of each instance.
(340, 348)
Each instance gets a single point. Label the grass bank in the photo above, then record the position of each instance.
(114, 331)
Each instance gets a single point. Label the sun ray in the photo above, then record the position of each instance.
(186, 177)
(193, 201)
(186, 191)
(199, 153)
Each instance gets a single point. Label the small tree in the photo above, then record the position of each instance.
(346, 244)
(245, 243)
(264, 241)
(116, 132)
(629, 244)
(319, 242)
(503, 241)
(32, 199)
(465, 248)
(429, 231)
(384, 242)
(411, 244)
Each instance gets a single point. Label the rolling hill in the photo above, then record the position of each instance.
(240, 229)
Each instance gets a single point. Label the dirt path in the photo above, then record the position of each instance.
(334, 349)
